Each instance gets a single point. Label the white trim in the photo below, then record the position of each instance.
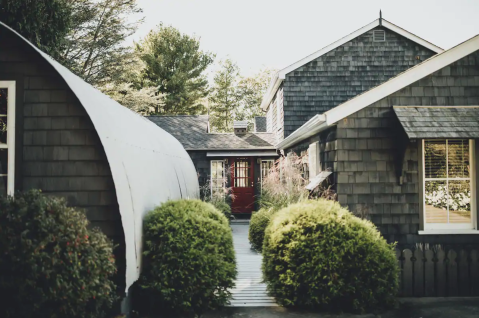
(393, 85)
(10, 146)
(281, 75)
(441, 232)
(251, 153)
(261, 170)
(310, 128)
(223, 177)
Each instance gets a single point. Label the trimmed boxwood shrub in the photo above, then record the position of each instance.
(51, 264)
(258, 223)
(318, 255)
(189, 260)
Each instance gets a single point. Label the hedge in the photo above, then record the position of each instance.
(318, 255)
(51, 264)
(257, 226)
(189, 261)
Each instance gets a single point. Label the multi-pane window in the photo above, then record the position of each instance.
(242, 173)
(448, 184)
(7, 137)
(218, 178)
(266, 166)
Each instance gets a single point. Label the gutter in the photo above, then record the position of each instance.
(313, 126)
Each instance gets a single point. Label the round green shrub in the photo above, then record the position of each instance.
(189, 260)
(223, 207)
(257, 226)
(318, 255)
(51, 264)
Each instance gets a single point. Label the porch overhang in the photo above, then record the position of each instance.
(439, 122)
(246, 153)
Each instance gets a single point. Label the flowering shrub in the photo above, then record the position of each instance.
(52, 265)
(437, 196)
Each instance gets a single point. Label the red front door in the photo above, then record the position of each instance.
(242, 181)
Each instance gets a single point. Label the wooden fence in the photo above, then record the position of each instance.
(438, 273)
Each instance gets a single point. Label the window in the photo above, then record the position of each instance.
(242, 173)
(448, 184)
(7, 137)
(266, 166)
(379, 36)
(218, 178)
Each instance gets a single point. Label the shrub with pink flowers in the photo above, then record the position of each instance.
(51, 264)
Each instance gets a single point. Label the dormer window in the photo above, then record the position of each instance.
(379, 36)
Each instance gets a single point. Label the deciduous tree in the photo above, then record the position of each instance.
(43, 22)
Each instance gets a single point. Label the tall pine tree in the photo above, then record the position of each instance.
(224, 100)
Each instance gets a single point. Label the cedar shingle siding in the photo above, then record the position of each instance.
(345, 72)
(57, 147)
(367, 152)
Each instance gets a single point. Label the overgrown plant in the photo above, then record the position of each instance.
(220, 199)
(51, 264)
(284, 183)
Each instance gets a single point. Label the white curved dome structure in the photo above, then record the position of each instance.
(148, 165)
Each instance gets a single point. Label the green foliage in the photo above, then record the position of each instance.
(222, 206)
(189, 260)
(257, 226)
(174, 63)
(225, 98)
(317, 254)
(43, 22)
(95, 47)
(52, 265)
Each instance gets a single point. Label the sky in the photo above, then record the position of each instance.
(274, 34)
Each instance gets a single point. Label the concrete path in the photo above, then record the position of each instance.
(249, 290)
(407, 308)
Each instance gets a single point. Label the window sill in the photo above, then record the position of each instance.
(445, 232)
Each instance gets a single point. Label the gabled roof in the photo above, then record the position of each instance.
(408, 77)
(147, 164)
(421, 122)
(192, 133)
(281, 75)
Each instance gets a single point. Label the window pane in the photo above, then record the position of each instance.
(460, 201)
(435, 159)
(3, 130)
(436, 201)
(3, 101)
(458, 158)
(3, 171)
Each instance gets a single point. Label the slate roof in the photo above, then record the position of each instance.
(439, 122)
(192, 133)
(260, 124)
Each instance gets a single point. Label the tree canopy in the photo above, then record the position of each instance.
(95, 47)
(45, 23)
(175, 64)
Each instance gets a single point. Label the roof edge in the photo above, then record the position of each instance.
(281, 75)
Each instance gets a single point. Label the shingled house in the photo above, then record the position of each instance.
(235, 161)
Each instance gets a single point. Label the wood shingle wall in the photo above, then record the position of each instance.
(367, 152)
(344, 73)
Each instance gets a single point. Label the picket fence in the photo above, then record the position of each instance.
(438, 272)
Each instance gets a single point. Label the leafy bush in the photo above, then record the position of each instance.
(223, 207)
(189, 260)
(51, 264)
(257, 226)
(317, 254)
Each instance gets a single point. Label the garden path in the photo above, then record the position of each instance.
(250, 291)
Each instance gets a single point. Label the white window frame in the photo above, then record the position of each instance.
(261, 167)
(10, 145)
(223, 177)
(451, 228)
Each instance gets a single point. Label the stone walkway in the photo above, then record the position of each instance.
(249, 290)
